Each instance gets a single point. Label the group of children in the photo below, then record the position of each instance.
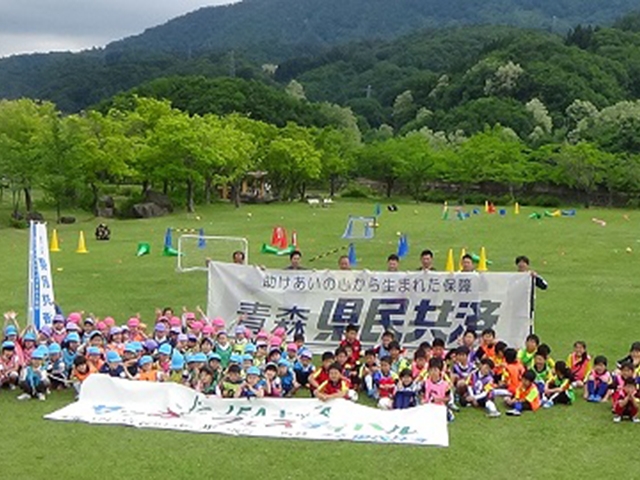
(201, 354)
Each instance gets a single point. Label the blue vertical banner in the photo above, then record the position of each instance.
(41, 303)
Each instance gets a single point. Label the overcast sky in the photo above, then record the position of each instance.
(47, 25)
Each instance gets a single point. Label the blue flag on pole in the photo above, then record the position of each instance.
(403, 246)
(378, 210)
(202, 243)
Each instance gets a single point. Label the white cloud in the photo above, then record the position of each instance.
(59, 25)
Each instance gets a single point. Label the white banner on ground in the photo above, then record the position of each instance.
(106, 400)
(417, 306)
(41, 300)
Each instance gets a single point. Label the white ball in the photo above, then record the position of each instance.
(352, 395)
(385, 404)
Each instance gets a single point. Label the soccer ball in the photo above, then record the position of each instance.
(352, 395)
(385, 404)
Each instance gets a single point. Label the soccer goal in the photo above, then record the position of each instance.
(194, 251)
(360, 228)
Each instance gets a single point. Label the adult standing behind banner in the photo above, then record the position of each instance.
(393, 263)
(426, 260)
(343, 263)
(295, 258)
(523, 265)
(467, 263)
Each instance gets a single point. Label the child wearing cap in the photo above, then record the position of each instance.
(303, 368)
(9, 365)
(113, 366)
(28, 343)
(94, 358)
(240, 341)
(55, 367)
(178, 374)
(292, 353)
(33, 378)
(115, 340)
(335, 386)
(223, 348)
(130, 361)
(136, 334)
(147, 371)
(70, 351)
(247, 361)
(286, 378)
(88, 326)
(164, 358)
(252, 387)
(232, 382)
(160, 333)
(216, 367)
(58, 331)
(272, 383)
(299, 340)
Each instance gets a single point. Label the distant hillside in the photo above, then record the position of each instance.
(237, 38)
(278, 28)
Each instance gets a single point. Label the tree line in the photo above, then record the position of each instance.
(149, 143)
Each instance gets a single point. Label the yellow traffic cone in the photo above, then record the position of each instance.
(482, 264)
(517, 208)
(486, 206)
(82, 247)
(55, 246)
(450, 267)
(463, 252)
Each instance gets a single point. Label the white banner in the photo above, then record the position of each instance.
(41, 306)
(106, 400)
(417, 306)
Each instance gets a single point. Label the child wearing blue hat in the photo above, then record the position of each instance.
(286, 378)
(94, 358)
(9, 365)
(247, 361)
(303, 369)
(252, 387)
(216, 368)
(178, 374)
(272, 383)
(164, 358)
(113, 366)
(70, 351)
(29, 341)
(33, 378)
(56, 368)
(147, 371)
(130, 360)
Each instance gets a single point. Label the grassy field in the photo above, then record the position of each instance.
(593, 289)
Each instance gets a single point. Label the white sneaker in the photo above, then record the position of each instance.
(24, 396)
(12, 386)
(41, 397)
(635, 420)
(494, 414)
(617, 419)
(513, 413)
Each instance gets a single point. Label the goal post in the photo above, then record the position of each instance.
(194, 251)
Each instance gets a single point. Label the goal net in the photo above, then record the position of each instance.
(359, 227)
(194, 251)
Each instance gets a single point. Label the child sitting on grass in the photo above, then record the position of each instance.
(598, 381)
(9, 365)
(406, 394)
(527, 396)
(579, 362)
(480, 388)
(436, 389)
(33, 378)
(252, 387)
(559, 389)
(625, 403)
(334, 387)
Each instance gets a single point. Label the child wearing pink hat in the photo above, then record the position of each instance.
(109, 321)
(292, 353)
(135, 333)
(218, 324)
(103, 328)
(175, 322)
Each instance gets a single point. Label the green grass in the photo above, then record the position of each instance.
(593, 292)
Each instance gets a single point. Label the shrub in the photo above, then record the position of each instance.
(356, 191)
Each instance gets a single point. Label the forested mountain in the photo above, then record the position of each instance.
(236, 39)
